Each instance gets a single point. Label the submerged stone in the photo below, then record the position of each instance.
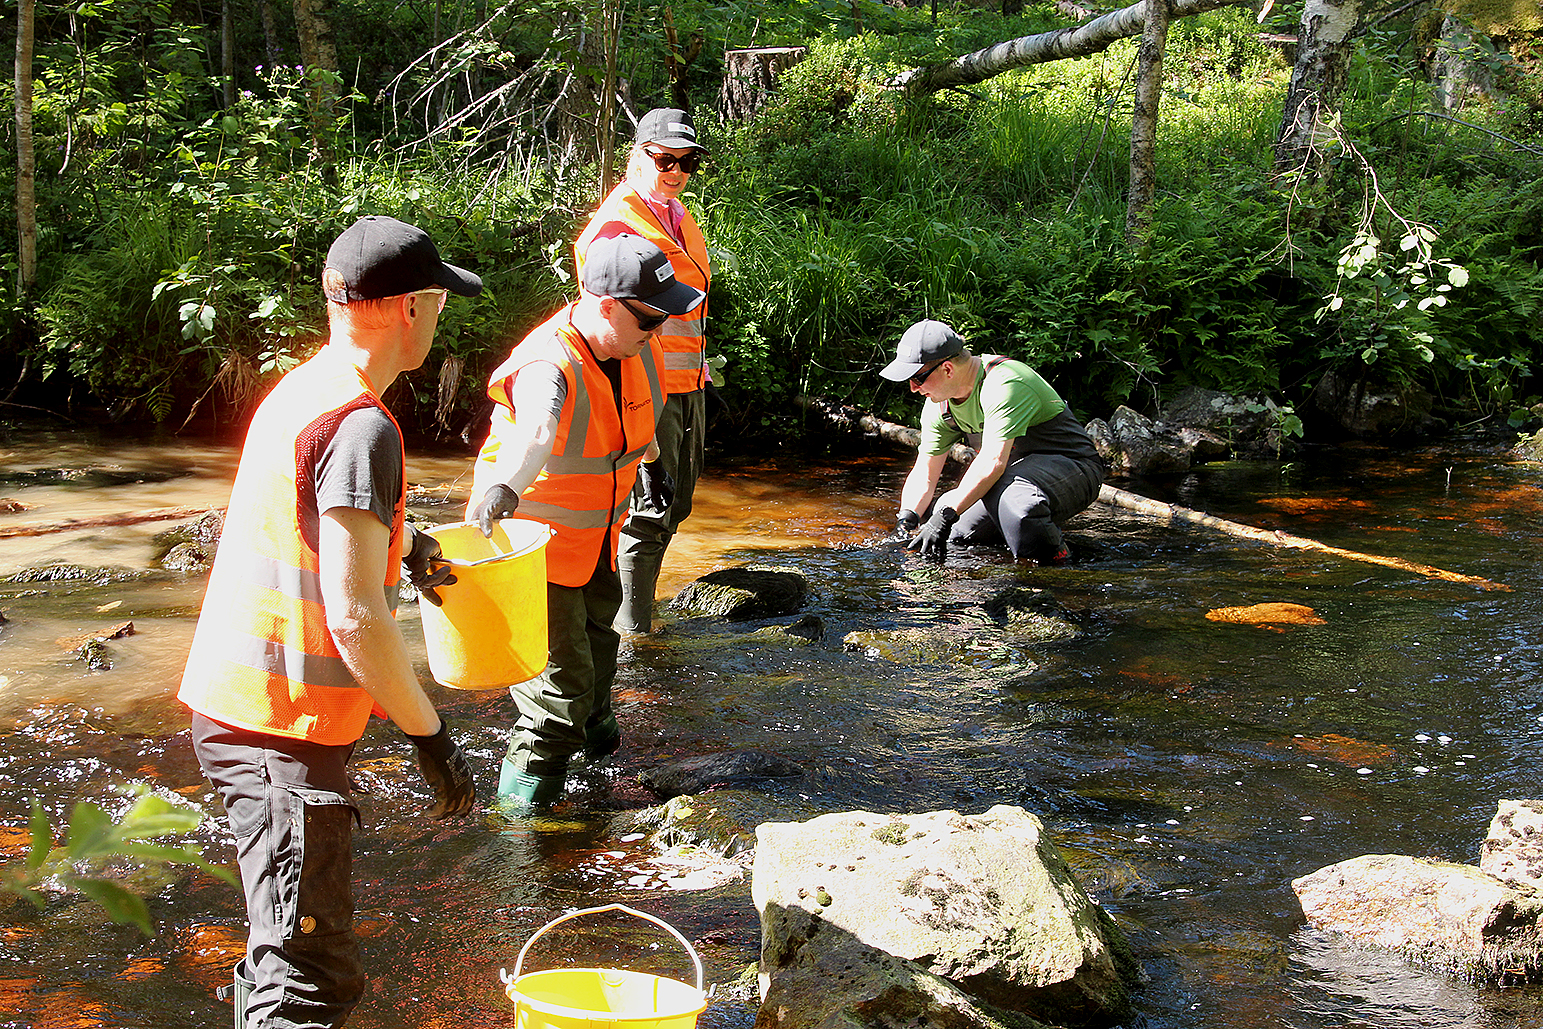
(61, 572)
(740, 594)
(709, 771)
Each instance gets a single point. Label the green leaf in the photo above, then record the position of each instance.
(154, 816)
(1457, 275)
(42, 836)
(121, 905)
(90, 833)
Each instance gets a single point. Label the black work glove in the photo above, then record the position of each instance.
(418, 559)
(656, 485)
(907, 522)
(498, 502)
(932, 541)
(447, 771)
(716, 405)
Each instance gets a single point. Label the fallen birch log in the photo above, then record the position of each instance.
(848, 417)
(154, 514)
(1128, 501)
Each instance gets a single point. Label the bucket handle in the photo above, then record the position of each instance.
(519, 962)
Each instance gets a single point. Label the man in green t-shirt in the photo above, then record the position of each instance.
(1035, 465)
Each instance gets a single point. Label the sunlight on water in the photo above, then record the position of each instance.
(1225, 717)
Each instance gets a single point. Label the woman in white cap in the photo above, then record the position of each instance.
(665, 154)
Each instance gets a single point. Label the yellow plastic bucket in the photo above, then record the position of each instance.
(588, 998)
(490, 629)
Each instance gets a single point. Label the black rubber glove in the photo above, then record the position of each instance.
(656, 485)
(907, 522)
(932, 541)
(418, 558)
(716, 405)
(498, 502)
(445, 769)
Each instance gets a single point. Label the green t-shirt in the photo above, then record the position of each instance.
(1008, 400)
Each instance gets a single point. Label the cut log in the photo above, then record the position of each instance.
(154, 514)
(845, 416)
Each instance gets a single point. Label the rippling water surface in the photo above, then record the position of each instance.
(1190, 768)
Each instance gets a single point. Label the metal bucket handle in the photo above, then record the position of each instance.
(666, 926)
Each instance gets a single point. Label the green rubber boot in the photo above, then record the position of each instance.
(602, 738)
(525, 792)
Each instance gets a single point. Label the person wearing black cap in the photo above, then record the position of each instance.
(297, 643)
(665, 153)
(575, 409)
(1035, 465)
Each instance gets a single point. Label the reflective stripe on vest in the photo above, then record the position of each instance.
(583, 491)
(683, 338)
(262, 657)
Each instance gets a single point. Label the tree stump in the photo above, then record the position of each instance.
(750, 78)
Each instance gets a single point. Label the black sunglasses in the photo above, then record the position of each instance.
(647, 322)
(920, 378)
(664, 162)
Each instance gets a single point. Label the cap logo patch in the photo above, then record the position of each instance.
(664, 271)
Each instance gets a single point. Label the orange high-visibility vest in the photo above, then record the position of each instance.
(683, 338)
(584, 489)
(262, 658)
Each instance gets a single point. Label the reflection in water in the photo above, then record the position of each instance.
(1190, 766)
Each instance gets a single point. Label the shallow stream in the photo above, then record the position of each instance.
(1190, 768)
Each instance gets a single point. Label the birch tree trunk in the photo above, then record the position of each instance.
(1324, 43)
(26, 169)
(1090, 37)
(227, 54)
(1143, 126)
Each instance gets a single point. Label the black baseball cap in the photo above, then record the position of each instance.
(632, 268)
(922, 344)
(668, 126)
(378, 256)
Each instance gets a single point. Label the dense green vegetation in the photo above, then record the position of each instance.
(180, 238)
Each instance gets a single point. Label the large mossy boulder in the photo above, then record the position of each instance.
(942, 919)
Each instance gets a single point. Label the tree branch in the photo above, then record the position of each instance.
(1073, 41)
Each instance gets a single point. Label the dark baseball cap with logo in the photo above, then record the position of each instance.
(379, 256)
(922, 344)
(632, 268)
(668, 126)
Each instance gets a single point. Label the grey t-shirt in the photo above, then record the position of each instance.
(361, 465)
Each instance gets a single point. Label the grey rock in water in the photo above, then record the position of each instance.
(732, 768)
(1513, 851)
(1529, 448)
(1438, 914)
(740, 594)
(189, 558)
(938, 919)
(191, 546)
(1371, 412)
(1133, 444)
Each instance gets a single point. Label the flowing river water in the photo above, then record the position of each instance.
(1190, 768)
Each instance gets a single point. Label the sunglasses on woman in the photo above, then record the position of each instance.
(664, 162)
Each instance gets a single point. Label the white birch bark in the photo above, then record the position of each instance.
(1143, 126)
(1324, 44)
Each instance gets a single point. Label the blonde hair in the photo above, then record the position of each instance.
(360, 314)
